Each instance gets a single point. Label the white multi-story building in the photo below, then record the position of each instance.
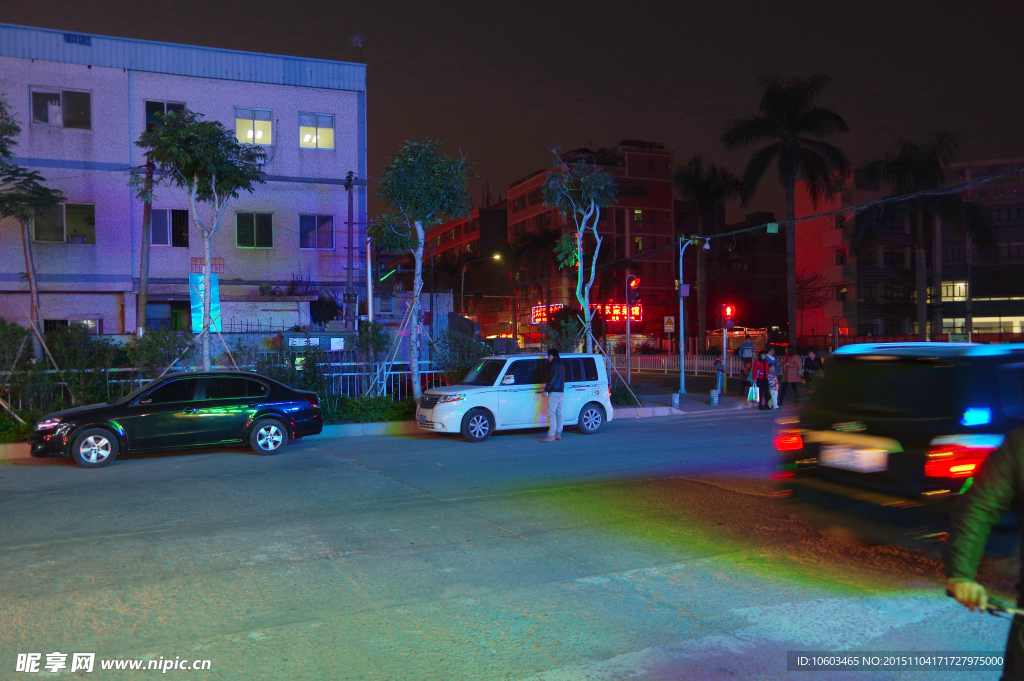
(82, 102)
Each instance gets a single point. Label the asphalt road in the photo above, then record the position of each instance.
(650, 551)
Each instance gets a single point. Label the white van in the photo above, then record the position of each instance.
(507, 391)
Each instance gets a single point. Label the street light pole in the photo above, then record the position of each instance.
(683, 243)
(462, 293)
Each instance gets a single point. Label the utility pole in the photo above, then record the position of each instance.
(350, 294)
(142, 301)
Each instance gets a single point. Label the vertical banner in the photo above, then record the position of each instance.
(195, 289)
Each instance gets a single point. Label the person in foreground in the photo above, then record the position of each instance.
(554, 391)
(998, 487)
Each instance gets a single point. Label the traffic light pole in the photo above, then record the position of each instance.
(629, 313)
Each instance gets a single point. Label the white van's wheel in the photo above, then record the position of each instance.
(477, 425)
(591, 418)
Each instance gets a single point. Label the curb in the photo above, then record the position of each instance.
(367, 429)
(653, 412)
(14, 450)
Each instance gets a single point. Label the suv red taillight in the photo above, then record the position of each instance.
(314, 400)
(958, 457)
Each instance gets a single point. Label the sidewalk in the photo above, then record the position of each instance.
(660, 404)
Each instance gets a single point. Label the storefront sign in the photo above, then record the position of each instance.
(196, 283)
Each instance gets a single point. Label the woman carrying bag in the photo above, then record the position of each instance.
(759, 375)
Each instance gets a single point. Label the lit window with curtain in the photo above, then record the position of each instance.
(316, 131)
(316, 232)
(253, 126)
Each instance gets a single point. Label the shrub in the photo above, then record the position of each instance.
(368, 410)
(621, 397)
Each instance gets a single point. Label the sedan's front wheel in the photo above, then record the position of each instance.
(268, 436)
(94, 448)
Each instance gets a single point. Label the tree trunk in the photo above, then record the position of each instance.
(147, 228)
(702, 288)
(207, 300)
(921, 267)
(414, 322)
(791, 259)
(30, 274)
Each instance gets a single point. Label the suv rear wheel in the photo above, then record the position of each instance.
(591, 418)
(477, 425)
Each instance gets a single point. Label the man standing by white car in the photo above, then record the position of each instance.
(554, 391)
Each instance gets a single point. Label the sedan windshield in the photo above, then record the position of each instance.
(485, 373)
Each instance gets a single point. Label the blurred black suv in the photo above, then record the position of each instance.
(894, 433)
(181, 410)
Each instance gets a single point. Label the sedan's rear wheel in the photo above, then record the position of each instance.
(268, 436)
(94, 448)
(477, 425)
(591, 418)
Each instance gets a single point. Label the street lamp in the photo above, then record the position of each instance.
(684, 291)
(462, 294)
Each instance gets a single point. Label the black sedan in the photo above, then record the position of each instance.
(181, 410)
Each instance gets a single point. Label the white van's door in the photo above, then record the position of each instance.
(581, 382)
(521, 394)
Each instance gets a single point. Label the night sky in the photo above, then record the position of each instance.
(504, 84)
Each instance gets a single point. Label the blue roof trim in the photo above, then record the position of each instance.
(27, 42)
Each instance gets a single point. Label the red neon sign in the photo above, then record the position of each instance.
(616, 312)
(539, 313)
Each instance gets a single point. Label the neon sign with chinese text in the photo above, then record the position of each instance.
(539, 313)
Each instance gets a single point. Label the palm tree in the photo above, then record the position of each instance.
(910, 168)
(789, 120)
(705, 186)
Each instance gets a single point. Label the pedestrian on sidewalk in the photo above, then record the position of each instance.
(554, 391)
(759, 376)
(814, 369)
(791, 371)
(746, 351)
(773, 378)
(720, 374)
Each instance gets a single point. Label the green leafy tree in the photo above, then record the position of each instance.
(790, 121)
(563, 330)
(910, 168)
(204, 159)
(580, 188)
(705, 186)
(420, 187)
(24, 198)
(455, 354)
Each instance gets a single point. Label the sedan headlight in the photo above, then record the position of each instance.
(452, 398)
(48, 424)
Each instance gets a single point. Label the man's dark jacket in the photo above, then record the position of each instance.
(998, 487)
(556, 377)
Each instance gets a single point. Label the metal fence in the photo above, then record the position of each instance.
(351, 379)
(665, 364)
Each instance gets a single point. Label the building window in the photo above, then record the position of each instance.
(254, 230)
(316, 131)
(639, 241)
(92, 325)
(62, 108)
(162, 108)
(169, 227)
(953, 254)
(840, 294)
(518, 204)
(536, 197)
(1011, 251)
(954, 291)
(632, 190)
(840, 256)
(867, 294)
(638, 217)
(72, 223)
(893, 258)
(651, 165)
(316, 232)
(253, 126)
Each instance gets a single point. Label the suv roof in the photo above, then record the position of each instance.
(931, 349)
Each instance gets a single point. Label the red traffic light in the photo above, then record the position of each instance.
(634, 282)
(730, 311)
